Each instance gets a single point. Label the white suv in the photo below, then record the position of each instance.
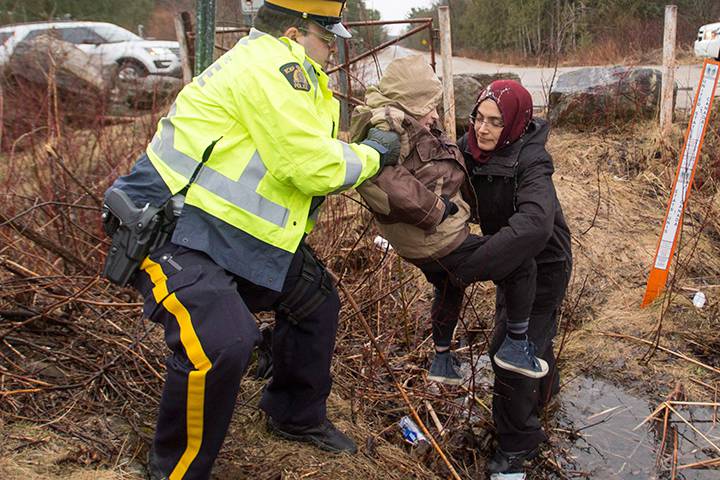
(708, 42)
(108, 44)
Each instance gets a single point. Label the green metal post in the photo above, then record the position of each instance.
(205, 37)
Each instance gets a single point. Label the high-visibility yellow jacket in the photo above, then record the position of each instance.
(273, 121)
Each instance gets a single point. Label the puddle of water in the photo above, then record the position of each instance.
(605, 446)
(604, 417)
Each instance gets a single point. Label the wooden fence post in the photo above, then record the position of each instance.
(447, 71)
(181, 35)
(668, 73)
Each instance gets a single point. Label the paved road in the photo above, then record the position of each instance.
(536, 80)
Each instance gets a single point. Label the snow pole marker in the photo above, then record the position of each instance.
(694, 138)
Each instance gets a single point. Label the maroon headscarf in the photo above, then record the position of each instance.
(516, 107)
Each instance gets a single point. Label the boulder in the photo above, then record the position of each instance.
(466, 92)
(486, 79)
(71, 69)
(467, 87)
(76, 73)
(592, 97)
(78, 86)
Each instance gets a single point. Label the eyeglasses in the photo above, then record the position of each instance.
(329, 38)
(493, 122)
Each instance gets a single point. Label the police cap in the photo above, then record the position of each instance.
(327, 13)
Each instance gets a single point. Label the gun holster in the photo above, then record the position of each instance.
(135, 232)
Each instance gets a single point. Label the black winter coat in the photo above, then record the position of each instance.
(517, 204)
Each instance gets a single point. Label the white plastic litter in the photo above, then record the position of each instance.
(382, 243)
(699, 299)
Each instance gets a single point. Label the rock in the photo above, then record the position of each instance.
(486, 79)
(79, 87)
(76, 73)
(467, 88)
(70, 68)
(605, 96)
(466, 92)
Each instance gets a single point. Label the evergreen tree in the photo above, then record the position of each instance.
(549, 28)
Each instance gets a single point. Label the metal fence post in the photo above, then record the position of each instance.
(668, 72)
(205, 39)
(447, 71)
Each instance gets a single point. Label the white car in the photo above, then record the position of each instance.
(707, 44)
(107, 43)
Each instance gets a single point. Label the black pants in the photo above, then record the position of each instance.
(209, 327)
(450, 276)
(517, 399)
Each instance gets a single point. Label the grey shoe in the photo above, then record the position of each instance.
(445, 368)
(324, 436)
(510, 465)
(519, 356)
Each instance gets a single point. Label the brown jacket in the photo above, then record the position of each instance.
(405, 198)
(411, 217)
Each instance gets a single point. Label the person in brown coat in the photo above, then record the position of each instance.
(423, 205)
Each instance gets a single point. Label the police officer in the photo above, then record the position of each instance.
(251, 145)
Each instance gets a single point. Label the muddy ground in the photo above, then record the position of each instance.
(614, 186)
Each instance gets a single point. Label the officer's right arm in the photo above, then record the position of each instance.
(294, 143)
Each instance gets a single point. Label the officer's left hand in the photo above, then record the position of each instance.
(386, 143)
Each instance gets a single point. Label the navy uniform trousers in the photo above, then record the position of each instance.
(209, 327)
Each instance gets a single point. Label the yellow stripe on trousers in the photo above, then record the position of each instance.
(196, 379)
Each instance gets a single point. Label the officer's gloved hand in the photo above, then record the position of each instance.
(386, 143)
(450, 207)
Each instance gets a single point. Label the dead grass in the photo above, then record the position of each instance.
(619, 177)
(31, 452)
(249, 450)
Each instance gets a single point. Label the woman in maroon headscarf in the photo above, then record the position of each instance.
(511, 172)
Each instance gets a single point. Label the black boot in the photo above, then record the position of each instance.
(510, 465)
(264, 354)
(153, 471)
(324, 436)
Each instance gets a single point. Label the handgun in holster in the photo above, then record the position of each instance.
(135, 232)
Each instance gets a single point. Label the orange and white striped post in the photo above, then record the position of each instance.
(694, 137)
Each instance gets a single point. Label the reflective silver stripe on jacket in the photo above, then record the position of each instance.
(241, 193)
(353, 167)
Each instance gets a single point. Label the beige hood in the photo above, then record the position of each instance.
(410, 85)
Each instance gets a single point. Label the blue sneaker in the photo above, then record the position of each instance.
(519, 356)
(445, 368)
